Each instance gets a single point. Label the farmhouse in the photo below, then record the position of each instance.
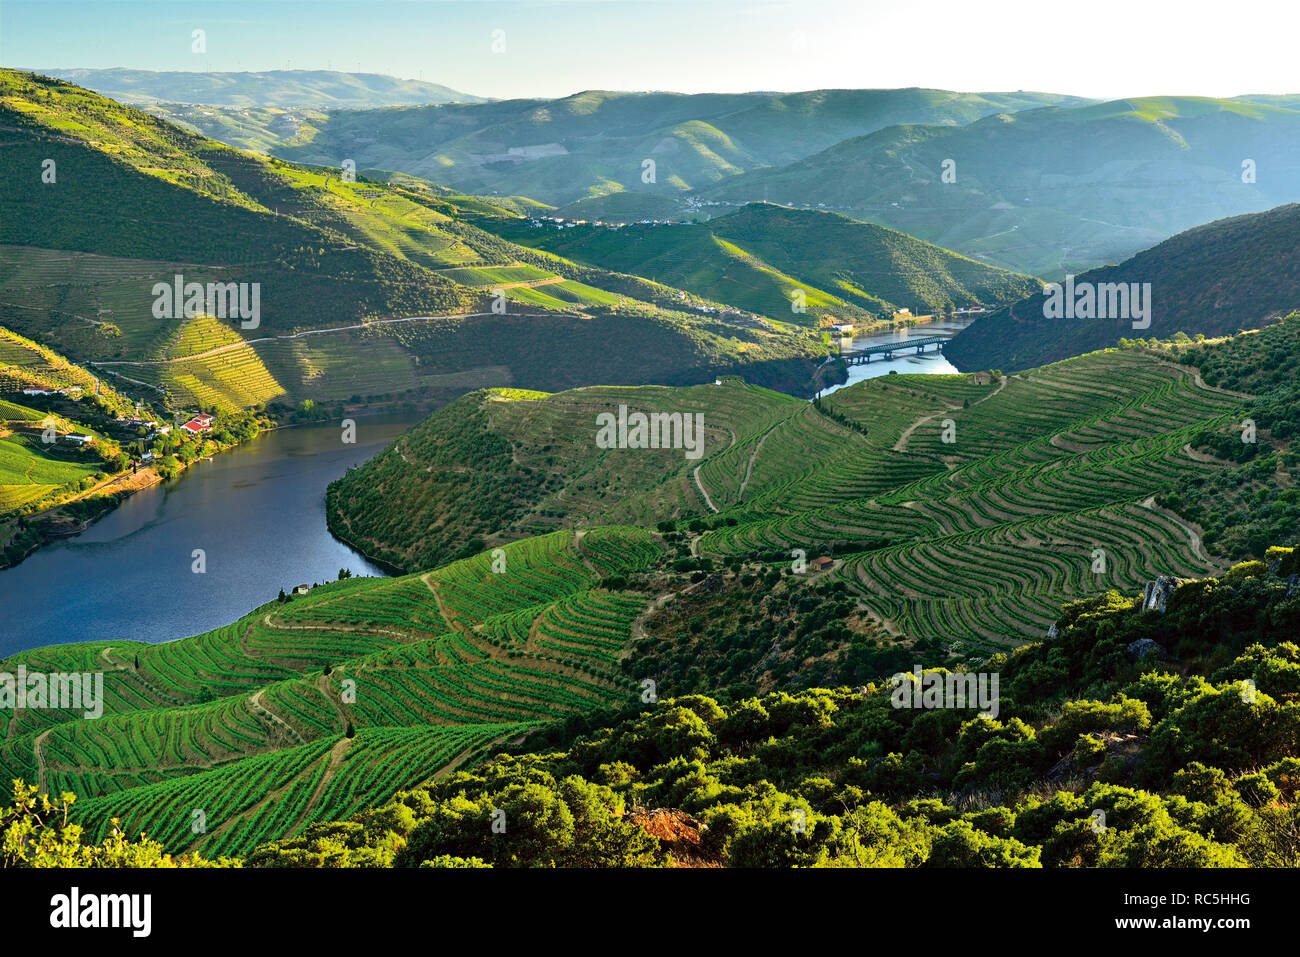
(821, 564)
(199, 423)
(77, 439)
(301, 589)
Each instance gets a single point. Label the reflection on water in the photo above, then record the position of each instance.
(258, 515)
(931, 362)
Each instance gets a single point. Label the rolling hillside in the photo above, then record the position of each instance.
(594, 143)
(1214, 280)
(39, 468)
(345, 269)
(759, 257)
(282, 89)
(1179, 764)
(1052, 190)
(499, 465)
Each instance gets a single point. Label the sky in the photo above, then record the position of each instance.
(1107, 49)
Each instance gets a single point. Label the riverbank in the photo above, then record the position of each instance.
(23, 535)
(254, 514)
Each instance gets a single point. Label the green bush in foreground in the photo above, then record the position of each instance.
(37, 834)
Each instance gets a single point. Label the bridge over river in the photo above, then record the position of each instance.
(889, 349)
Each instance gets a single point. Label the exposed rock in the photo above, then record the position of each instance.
(1155, 597)
(1137, 650)
(712, 584)
(1292, 585)
(676, 831)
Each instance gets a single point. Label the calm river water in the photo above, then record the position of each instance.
(257, 512)
(931, 361)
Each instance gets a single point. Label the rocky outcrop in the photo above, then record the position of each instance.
(677, 832)
(1155, 597)
(1144, 647)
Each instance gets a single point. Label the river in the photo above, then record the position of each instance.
(258, 514)
(931, 362)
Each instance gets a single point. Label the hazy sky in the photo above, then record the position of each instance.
(1101, 48)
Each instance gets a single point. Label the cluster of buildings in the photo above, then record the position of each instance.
(151, 425)
(198, 424)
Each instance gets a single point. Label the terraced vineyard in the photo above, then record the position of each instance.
(997, 503)
(964, 511)
(504, 464)
(313, 708)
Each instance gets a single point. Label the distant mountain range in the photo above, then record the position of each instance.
(282, 89)
(1214, 280)
(1054, 190)
(1035, 183)
(597, 142)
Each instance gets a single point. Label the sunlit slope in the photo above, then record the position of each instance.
(33, 471)
(315, 708)
(995, 513)
(501, 465)
(963, 512)
(766, 258)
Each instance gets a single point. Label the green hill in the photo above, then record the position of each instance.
(320, 706)
(1213, 280)
(285, 89)
(500, 465)
(40, 468)
(354, 264)
(760, 257)
(1052, 190)
(975, 542)
(595, 142)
